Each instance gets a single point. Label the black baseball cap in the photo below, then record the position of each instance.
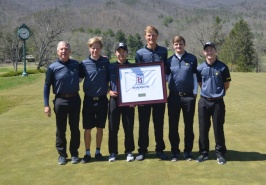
(209, 44)
(121, 45)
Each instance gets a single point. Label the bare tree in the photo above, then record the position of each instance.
(78, 41)
(259, 45)
(48, 25)
(10, 48)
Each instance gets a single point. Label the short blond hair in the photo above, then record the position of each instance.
(179, 38)
(151, 28)
(95, 40)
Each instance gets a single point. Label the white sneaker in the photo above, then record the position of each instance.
(112, 157)
(130, 157)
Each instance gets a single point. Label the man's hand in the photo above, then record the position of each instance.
(47, 111)
(113, 93)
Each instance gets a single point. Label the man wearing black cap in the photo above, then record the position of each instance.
(115, 111)
(214, 79)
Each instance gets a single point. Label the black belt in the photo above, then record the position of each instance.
(212, 99)
(182, 93)
(94, 98)
(67, 95)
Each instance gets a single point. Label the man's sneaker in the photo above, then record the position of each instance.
(112, 157)
(75, 160)
(221, 160)
(140, 157)
(188, 156)
(86, 159)
(130, 157)
(162, 155)
(62, 160)
(201, 158)
(175, 157)
(99, 157)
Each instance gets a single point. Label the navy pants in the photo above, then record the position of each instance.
(175, 105)
(145, 111)
(114, 115)
(216, 110)
(67, 108)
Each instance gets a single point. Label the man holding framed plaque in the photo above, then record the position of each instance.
(115, 112)
(151, 53)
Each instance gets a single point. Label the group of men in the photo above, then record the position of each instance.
(100, 77)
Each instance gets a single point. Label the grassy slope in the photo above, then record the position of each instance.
(28, 154)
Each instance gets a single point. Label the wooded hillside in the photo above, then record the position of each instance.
(192, 19)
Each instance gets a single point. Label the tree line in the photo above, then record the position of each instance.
(237, 49)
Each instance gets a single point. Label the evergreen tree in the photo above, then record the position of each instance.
(134, 43)
(216, 35)
(120, 36)
(238, 50)
(109, 33)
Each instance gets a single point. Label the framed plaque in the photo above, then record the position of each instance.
(141, 83)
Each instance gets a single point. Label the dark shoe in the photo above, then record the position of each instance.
(75, 160)
(175, 157)
(188, 156)
(201, 158)
(62, 160)
(162, 155)
(99, 157)
(221, 160)
(86, 159)
(140, 157)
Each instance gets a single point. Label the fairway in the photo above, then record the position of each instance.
(28, 155)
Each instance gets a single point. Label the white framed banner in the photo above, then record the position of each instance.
(141, 83)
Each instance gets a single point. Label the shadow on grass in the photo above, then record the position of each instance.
(105, 158)
(233, 155)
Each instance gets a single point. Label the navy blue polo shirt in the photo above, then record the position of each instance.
(181, 72)
(113, 74)
(96, 76)
(64, 78)
(147, 55)
(213, 78)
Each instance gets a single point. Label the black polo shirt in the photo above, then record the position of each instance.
(113, 74)
(181, 72)
(147, 55)
(64, 78)
(96, 76)
(213, 78)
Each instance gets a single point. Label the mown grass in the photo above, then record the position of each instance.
(7, 83)
(28, 154)
(5, 69)
(16, 81)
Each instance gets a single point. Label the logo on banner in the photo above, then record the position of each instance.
(140, 79)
